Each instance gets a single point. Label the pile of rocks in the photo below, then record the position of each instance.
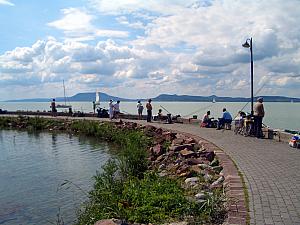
(180, 156)
(177, 155)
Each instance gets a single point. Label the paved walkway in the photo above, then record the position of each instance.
(271, 170)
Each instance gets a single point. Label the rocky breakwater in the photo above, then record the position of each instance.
(177, 155)
(182, 157)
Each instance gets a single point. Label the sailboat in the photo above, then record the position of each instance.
(97, 102)
(214, 100)
(64, 106)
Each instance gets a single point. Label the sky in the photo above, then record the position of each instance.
(140, 49)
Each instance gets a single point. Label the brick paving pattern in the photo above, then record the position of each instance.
(271, 170)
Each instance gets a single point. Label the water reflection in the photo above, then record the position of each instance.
(32, 168)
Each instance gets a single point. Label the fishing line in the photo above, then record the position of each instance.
(200, 109)
(165, 109)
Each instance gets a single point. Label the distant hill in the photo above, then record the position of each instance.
(90, 96)
(80, 97)
(189, 98)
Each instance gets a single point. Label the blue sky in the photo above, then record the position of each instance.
(134, 48)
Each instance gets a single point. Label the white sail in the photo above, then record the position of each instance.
(97, 102)
(214, 100)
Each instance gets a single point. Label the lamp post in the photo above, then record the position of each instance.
(249, 45)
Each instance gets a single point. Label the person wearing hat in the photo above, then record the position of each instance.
(259, 114)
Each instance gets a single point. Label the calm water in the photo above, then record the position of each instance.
(278, 115)
(32, 169)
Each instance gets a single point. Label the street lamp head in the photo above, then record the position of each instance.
(246, 44)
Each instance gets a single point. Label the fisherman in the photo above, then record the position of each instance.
(111, 109)
(207, 121)
(149, 110)
(226, 118)
(259, 114)
(140, 109)
(53, 107)
(159, 115)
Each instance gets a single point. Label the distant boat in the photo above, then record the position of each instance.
(292, 101)
(64, 106)
(97, 102)
(214, 100)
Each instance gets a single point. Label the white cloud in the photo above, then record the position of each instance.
(5, 2)
(77, 26)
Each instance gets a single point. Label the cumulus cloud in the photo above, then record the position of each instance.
(77, 25)
(5, 2)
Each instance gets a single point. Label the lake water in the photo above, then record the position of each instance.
(32, 168)
(278, 114)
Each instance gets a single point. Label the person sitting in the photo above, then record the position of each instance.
(206, 121)
(226, 119)
(159, 115)
(239, 122)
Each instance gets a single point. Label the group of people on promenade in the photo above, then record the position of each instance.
(226, 119)
(207, 121)
(114, 110)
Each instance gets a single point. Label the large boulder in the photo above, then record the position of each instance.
(177, 148)
(187, 153)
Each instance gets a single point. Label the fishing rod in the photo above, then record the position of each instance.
(198, 110)
(165, 109)
(264, 84)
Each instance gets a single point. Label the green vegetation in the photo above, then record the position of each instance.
(126, 189)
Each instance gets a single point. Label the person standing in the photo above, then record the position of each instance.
(53, 107)
(259, 114)
(149, 110)
(111, 109)
(116, 109)
(140, 109)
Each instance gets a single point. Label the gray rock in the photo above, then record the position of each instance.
(218, 182)
(177, 148)
(200, 195)
(191, 180)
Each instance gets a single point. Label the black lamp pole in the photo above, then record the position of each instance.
(247, 45)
